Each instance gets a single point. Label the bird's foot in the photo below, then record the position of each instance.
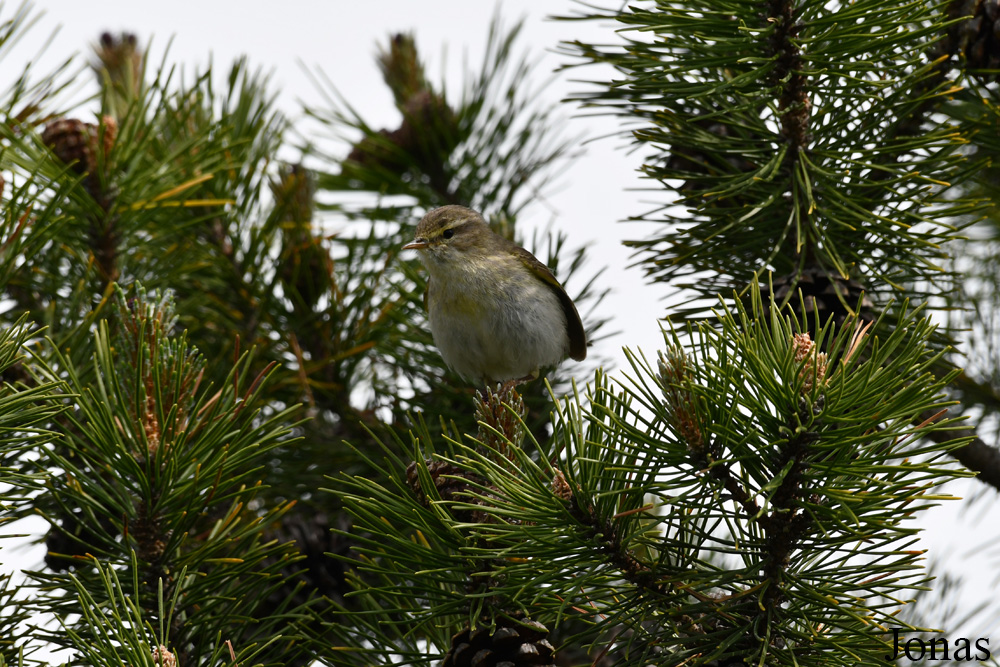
(503, 389)
(509, 385)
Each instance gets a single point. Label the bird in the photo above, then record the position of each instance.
(496, 313)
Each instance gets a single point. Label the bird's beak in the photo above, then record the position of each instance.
(418, 244)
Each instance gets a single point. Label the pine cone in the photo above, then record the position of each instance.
(561, 488)
(77, 143)
(453, 485)
(515, 641)
(306, 270)
(494, 417)
(73, 142)
(428, 130)
(294, 195)
(163, 657)
(819, 290)
(401, 68)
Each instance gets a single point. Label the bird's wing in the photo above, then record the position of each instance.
(574, 327)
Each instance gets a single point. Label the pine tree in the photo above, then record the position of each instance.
(223, 399)
(216, 333)
(746, 497)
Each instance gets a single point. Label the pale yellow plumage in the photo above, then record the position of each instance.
(496, 312)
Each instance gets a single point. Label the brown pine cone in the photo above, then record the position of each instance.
(73, 142)
(514, 642)
(80, 145)
(453, 485)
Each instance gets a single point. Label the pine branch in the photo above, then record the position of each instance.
(977, 456)
(25, 412)
(788, 76)
(160, 470)
(795, 152)
(763, 450)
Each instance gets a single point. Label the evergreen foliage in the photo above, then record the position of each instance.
(220, 394)
(25, 413)
(731, 504)
(801, 134)
(159, 474)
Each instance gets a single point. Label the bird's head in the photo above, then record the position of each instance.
(449, 232)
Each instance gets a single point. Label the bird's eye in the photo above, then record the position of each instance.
(448, 233)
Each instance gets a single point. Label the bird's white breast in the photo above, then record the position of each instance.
(494, 329)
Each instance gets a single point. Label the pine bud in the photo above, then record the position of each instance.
(561, 488)
(675, 379)
(813, 370)
(163, 657)
(494, 417)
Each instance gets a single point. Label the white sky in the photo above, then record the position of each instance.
(340, 36)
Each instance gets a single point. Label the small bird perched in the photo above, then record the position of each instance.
(497, 314)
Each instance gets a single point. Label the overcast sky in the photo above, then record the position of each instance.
(340, 36)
